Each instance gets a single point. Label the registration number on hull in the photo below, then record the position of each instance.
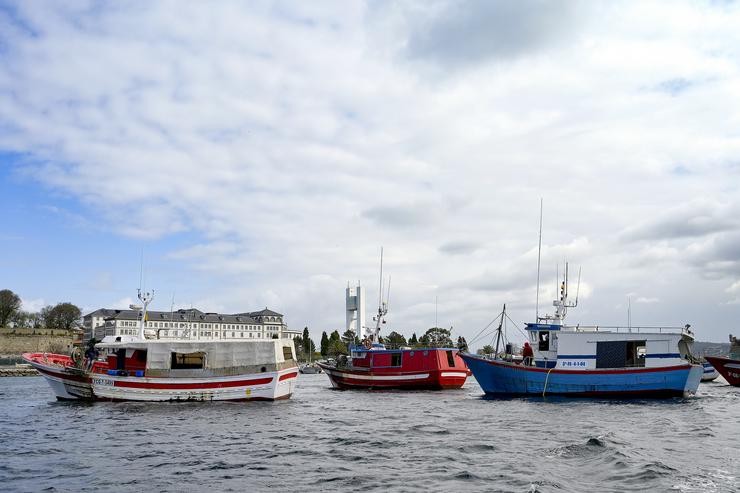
(102, 381)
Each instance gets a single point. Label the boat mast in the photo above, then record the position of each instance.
(145, 299)
(498, 331)
(382, 307)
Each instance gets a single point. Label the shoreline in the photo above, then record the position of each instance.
(13, 371)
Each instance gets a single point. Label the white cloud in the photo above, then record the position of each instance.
(34, 305)
(287, 142)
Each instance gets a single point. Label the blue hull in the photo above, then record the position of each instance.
(499, 377)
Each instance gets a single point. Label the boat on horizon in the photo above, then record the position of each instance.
(372, 365)
(142, 368)
(310, 369)
(729, 367)
(710, 373)
(593, 361)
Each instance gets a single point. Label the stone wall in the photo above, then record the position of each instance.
(14, 345)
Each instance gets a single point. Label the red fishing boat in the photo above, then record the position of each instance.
(371, 365)
(380, 368)
(728, 367)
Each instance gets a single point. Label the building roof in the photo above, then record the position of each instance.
(264, 313)
(183, 315)
(100, 312)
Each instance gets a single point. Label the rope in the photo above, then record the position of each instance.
(547, 378)
(478, 335)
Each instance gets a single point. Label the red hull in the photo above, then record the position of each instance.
(728, 368)
(432, 369)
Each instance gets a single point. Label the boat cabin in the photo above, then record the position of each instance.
(162, 358)
(590, 348)
(422, 359)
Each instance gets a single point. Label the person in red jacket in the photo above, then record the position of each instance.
(527, 354)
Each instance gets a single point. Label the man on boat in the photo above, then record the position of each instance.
(91, 354)
(527, 354)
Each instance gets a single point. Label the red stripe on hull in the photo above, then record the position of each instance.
(732, 375)
(191, 386)
(288, 376)
(347, 379)
(241, 399)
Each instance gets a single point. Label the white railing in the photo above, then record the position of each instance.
(619, 328)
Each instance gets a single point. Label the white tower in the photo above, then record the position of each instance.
(356, 310)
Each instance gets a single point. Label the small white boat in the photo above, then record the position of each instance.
(310, 369)
(709, 372)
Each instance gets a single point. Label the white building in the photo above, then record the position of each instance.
(189, 324)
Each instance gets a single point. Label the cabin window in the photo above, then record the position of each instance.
(287, 353)
(188, 361)
(544, 341)
(450, 359)
(396, 359)
(620, 354)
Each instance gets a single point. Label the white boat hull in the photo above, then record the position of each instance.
(257, 386)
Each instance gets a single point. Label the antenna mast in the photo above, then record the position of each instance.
(539, 252)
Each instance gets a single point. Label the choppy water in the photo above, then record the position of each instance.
(330, 440)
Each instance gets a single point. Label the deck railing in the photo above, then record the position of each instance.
(620, 328)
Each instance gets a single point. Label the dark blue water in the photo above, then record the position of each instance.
(329, 440)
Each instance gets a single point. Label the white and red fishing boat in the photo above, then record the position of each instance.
(728, 367)
(371, 365)
(144, 368)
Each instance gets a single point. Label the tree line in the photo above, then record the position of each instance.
(335, 344)
(64, 315)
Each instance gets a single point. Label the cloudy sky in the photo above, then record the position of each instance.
(261, 153)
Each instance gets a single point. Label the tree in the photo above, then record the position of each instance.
(334, 336)
(462, 344)
(10, 303)
(487, 349)
(413, 341)
(437, 337)
(349, 337)
(298, 343)
(63, 316)
(45, 316)
(324, 344)
(395, 339)
(308, 346)
(22, 319)
(336, 347)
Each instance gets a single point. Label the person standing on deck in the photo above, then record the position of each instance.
(527, 354)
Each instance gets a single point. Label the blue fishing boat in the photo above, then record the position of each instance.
(593, 361)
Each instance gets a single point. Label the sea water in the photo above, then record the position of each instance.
(330, 440)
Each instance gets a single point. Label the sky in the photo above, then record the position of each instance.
(260, 154)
